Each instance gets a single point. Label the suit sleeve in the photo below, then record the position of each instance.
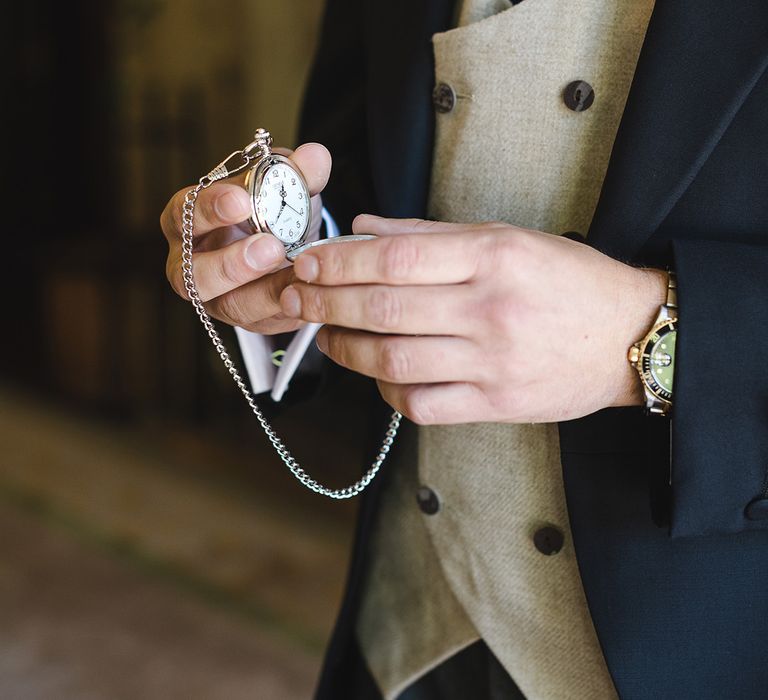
(720, 418)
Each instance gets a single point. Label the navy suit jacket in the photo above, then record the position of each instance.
(669, 517)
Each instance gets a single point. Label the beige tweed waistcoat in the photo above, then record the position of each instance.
(509, 150)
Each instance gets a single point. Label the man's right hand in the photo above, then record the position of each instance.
(240, 275)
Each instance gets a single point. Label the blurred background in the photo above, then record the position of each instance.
(151, 543)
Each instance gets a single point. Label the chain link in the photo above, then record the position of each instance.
(188, 223)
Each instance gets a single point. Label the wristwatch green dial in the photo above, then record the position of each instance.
(654, 356)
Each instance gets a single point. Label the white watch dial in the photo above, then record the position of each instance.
(283, 203)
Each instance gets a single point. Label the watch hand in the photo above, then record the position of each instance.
(280, 213)
(290, 207)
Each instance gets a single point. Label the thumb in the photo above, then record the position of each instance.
(314, 162)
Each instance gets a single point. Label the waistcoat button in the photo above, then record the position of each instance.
(578, 95)
(444, 98)
(757, 509)
(548, 540)
(427, 500)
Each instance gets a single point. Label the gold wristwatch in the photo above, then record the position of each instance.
(654, 356)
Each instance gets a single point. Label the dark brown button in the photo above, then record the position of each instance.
(757, 509)
(578, 96)
(427, 500)
(444, 98)
(548, 540)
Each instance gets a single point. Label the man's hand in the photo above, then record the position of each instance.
(240, 276)
(463, 323)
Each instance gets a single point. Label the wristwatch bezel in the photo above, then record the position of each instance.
(667, 325)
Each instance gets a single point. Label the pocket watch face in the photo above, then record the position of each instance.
(658, 361)
(281, 201)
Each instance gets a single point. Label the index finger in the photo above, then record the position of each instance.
(404, 259)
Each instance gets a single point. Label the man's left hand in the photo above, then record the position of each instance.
(465, 323)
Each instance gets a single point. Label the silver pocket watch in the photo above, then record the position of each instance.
(280, 199)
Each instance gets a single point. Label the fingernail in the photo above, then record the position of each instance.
(290, 302)
(322, 343)
(264, 252)
(230, 207)
(307, 268)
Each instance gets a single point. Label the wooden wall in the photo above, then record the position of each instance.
(115, 105)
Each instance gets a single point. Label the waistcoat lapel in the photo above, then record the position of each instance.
(400, 116)
(699, 62)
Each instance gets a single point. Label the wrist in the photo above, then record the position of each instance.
(647, 293)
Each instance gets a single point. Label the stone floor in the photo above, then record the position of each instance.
(131, 567)
(78, 624)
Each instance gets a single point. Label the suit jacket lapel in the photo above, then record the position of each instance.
(401, 120)
(699, 62)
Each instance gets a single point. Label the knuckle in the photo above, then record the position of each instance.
(513, 405)
(498, 311)
(516, 250)
(506, 251)
(333, 265)
(337, 348)
(229, 308)
(384, 308)
(165, 219)
(206, 206)
(175, 216)
(170, 272)
(313, 303)
(424, 224)
(228, 268)
(417, 407)
(394, 362)
(399, 257)
(273, 286)
(272, 326)
(174, 276)
(514, 377)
